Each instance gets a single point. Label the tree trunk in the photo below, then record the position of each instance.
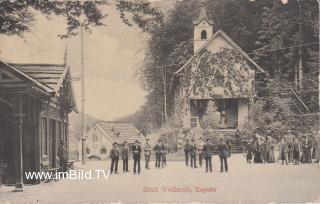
(165, 93)
(300, 70)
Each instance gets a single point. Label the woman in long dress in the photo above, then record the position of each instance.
(283, 150)
(270, 149)
(257, 150)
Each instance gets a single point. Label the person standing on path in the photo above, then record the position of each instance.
(125, 156)
(223, 155)
(147, 153)
(248, 151)
(187, 148)
(306, 150)
(163, 151)
(136, 150)
(207, 154)
(296, 149)
(114, 155)
(193, 154)
(200, 150)
(157, 150)
(283, 150)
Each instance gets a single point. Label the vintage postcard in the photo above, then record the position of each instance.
(159, 101)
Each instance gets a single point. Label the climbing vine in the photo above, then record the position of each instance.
(225, 74)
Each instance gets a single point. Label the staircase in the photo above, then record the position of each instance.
(229, 135)
(293, 101)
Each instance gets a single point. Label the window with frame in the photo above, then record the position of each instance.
(44, 137)
(94, 138)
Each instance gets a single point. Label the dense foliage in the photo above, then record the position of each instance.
(269, 31)
(16, 17)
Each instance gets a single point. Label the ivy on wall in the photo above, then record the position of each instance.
(225, 74)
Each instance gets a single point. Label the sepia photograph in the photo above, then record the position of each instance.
(159, 101)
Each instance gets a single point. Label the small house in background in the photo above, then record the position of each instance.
(35, 101)
(103, 134)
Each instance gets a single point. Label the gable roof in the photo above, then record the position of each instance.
(128, 132)
(27, 77)
(228, 39)
(47, 77)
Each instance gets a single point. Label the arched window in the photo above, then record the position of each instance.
(203, 35)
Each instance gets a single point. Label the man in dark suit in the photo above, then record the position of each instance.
(114, 155)
(306, 150)
(207, 154)
(223, 155)
(157, 150)
(136, 150)
(163, 154)
(187, 147)
(125, 156)
(193, 154)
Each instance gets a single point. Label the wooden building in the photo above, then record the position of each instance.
(35, 100)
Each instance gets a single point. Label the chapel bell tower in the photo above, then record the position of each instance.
(202, 28)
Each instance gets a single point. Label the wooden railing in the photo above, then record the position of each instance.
(298, 103)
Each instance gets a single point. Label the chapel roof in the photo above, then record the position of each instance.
(202, 15)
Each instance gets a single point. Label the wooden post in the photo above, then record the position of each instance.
(18, 115)
(83, 135)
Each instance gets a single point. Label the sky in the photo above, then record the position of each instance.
(110, 54)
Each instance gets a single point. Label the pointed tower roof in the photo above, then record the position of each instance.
(203, 15)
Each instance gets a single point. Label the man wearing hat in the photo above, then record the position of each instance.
(157, 150)
(207, 154)
(223, 155)
(125, 156)
(200, 145)
(147, 153)
(114, 155)
(193, 154)
(306, 149)
(163, 148)
(136, 150)
(187, 148)
(290, 142)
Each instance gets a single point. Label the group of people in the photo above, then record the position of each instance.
(259, 149)
(291, 149)
(205, 150)
(124, 151)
